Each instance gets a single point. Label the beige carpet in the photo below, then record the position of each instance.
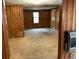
(37, 44)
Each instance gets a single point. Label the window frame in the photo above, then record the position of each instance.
(37, 22)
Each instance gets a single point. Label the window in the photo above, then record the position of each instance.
(35, 17)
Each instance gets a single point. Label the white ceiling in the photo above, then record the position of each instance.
(33, 3)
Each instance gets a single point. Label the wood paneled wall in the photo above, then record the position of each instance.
(67, 22)
(44, 19)
(5, 44)
(28, 19)
(15, 20)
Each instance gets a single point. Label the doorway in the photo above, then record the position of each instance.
(37, 43)
(66, 5)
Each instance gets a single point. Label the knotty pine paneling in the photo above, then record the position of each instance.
(15, 20)
(67, 22)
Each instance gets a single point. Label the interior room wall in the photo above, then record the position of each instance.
(54, 18)
(15, 20)
(5, 44)
(67, 22)
(44, 19)
(57, 19)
